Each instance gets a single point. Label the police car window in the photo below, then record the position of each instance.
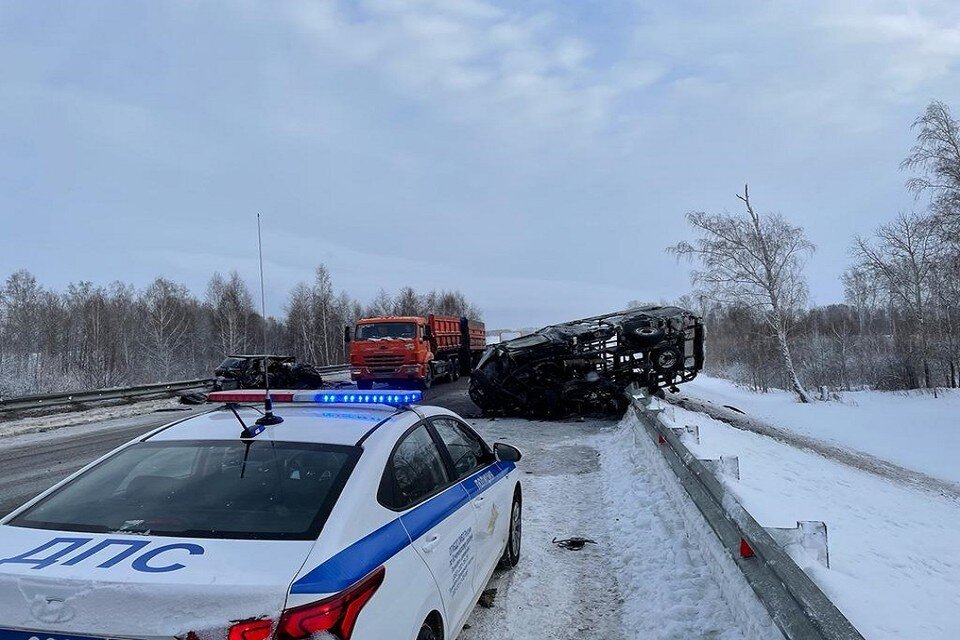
(212, 489)
(466, 449)
(418, 469)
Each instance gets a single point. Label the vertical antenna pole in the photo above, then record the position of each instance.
(268, 418)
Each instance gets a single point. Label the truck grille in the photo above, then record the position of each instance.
(383, 362)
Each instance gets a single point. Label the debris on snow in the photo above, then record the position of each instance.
(573, 544)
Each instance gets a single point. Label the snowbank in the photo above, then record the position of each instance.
(914, 430)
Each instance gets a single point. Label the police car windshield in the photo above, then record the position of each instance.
(386, 330)
(209, 489)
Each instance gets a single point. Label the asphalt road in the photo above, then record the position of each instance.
(30, 464)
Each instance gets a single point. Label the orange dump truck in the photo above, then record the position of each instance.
(405, 350)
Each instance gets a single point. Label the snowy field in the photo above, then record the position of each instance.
(895, 558)
(914, 430)
(656, 570)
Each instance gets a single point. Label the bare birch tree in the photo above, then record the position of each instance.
(936, 158)
(322, 300)
(755, 261)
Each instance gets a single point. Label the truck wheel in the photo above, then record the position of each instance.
(364, 385)
(427, 381)
(454, 370)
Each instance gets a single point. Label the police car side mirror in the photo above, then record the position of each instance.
(506, 452)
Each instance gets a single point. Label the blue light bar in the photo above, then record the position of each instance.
(384, 396)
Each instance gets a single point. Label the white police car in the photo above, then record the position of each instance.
(350, 518)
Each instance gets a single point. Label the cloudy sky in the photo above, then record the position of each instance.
(537, 155)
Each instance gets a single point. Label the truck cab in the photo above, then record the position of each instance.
(412, 350)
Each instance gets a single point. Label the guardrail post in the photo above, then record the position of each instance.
(808, 538)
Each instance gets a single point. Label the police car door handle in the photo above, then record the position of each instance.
(430, 543)
(478, 502)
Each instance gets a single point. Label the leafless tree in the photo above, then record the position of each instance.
(408, 303)
(381, 305)
(936, 158)
(904, 259)
(756, 261)
(93, 336)
(232, 312)
(323, 302)
(166, 307)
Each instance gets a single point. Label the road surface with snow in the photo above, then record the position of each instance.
(656, 570)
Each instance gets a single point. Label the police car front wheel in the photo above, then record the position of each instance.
(511, 555)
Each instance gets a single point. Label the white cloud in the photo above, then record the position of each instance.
(471, 61)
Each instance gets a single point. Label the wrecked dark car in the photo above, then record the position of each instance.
(584, 366)
(246, 372)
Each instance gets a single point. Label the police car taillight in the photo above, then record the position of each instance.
(336, 614)
(251, 630)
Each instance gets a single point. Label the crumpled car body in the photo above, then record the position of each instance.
(584, 366)
(246, 372)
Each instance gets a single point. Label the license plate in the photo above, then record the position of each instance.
(18, 634)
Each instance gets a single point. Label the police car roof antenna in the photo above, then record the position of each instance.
(267, 419)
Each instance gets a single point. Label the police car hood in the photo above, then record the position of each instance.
(105, 585)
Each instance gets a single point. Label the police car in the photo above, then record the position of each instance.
(361, 515)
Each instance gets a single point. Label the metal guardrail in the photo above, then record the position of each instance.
(68, 398)
(796, 604)
(334, 368)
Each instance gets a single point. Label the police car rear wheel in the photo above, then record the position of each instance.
(426, 633)
(511, 555)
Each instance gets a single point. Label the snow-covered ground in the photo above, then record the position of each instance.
(894, 552)
(656, 572)
(913, 430)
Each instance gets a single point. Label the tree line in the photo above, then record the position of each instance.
(94, 336)
(899, 324)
